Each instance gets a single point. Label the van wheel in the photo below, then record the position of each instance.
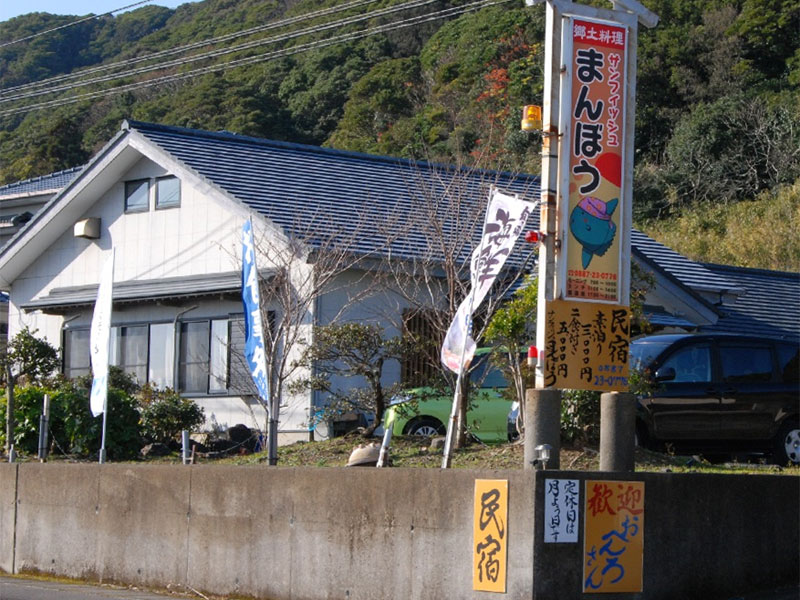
(424, 426)
(787, 444)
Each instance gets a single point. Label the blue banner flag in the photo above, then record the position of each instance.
(253, 327)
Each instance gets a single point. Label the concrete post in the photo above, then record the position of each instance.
(542, 425)
(617, 431)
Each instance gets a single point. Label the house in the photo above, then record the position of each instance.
(172, 201)
(20, 200)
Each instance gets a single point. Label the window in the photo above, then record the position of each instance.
(162, 355)
(745, 364)
(692, 364)
(137, 195)
(129, 351)
(203, 357)
(239, 379)
(789, 362)
(218, 379)
(168, 192)
(420, 366)
(76, 352)
(148, 352)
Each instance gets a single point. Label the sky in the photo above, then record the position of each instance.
(12, 8)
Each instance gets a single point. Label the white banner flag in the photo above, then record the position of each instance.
(505, 220)
(98, 338)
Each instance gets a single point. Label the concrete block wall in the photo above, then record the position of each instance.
(8, 498)
(374, 534)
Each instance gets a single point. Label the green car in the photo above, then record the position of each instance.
(425, 412)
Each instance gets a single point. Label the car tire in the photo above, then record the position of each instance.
(787, 444)
(424, 426)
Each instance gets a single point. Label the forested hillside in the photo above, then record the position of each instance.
(718, 106)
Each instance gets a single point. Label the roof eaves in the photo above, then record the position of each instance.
(42, 213)
(672, 278)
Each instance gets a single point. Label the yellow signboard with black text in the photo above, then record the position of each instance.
(586, 346)
(613, 541)
(490, 535)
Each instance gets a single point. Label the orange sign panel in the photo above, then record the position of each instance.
(613, 541)
(490, 535)
(595, 154)
(586, 346)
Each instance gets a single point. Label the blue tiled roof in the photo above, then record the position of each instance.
(330, 192)
(45, 183)
(687, 272)
(770, 307)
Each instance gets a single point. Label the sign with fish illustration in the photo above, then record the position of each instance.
(596, 135)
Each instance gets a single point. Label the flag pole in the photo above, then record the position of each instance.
(105, 421)
(449, 438)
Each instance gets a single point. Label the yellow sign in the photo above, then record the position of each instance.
(586, 346)
(490, 535)
(613, 540)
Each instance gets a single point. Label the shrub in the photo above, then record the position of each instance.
(580, 416)
(164, 414)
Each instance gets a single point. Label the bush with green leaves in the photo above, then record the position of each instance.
(580, 416)
(73, 429)
(165, 413)
(134, 416)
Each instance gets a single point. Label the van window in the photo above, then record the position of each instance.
(789, 363)
(692, 364)
(745, 364)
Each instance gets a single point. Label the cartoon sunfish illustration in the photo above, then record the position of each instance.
(591, 224)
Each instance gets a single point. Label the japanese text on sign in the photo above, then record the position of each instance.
(613, 544)
(490, 535)
(561, 502)
(595, 161)
(586, 346)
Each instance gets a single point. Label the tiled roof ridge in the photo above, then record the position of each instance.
(10, 186)
(130, 124)
(752, 270)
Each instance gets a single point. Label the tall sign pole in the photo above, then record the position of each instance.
(582, 329)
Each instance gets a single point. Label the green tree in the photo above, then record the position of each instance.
(26, 357)
(512, 329)
(351, 350)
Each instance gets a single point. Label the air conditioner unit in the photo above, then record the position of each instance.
(88, 228)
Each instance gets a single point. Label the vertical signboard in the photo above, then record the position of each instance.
(490, 535)
(595, 151)
(586, 345)
(613, 541)
(561, 505)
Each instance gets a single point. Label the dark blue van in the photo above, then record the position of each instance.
(720, 393)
